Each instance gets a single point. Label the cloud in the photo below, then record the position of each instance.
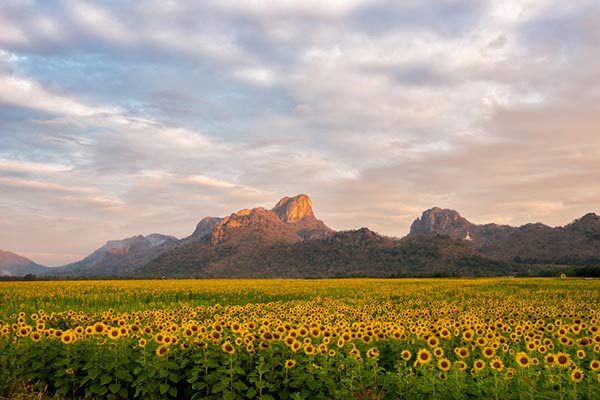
(41, 185)
(29, 94)
(31, 167)
(166, 112)
(204, 180)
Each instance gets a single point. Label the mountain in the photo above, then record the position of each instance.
(12, 264)
(289, 241)
(291, 220)
(118, 257)
(340, 254)
(238, 237)
(577, 243)
(205, 226)
(450, 222)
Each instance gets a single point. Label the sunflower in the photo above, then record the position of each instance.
(331, 353)
(550, 360)
(67, 338)
(423, 356)
(142, 342)
(406, 355)
(162, 351)
(468, 335)
(289, 340)
(99, 328)
(309, 350)
(24, 331)
(113, 333)
(577, 375)
(444, 364)
(488, 352)
(510, 373)
(36, 336)
(542, 349)
(580, 353)
(478, 365)
(373, 353)
(563, 360)
(228, 348)
(462, 352)
(460, 365)
(438, 352)
(290, 364)
(250, 348)
(433, 341)
(445, 334)
(595, 365)
(496, 364)
(295, 346)
(523, 360)
(355, 353)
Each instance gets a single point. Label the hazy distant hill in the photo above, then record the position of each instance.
(118, 257)
(12, 264)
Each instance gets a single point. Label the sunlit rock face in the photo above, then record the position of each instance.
(247, 225)
(292, 219)
(293, 209)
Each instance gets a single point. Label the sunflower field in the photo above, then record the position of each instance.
(301, 339)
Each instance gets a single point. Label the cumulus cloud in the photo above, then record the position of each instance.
(128, 118)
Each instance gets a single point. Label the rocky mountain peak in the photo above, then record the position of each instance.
(256, 218)
(437, 220)
(293, 209)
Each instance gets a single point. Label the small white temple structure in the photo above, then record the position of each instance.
(468, 237)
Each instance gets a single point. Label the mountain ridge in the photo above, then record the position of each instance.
(575, 243)
(284, 240)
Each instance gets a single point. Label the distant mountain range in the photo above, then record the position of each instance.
(119, 257)
(289, 241)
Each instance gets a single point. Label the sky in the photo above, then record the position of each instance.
(120, 118)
